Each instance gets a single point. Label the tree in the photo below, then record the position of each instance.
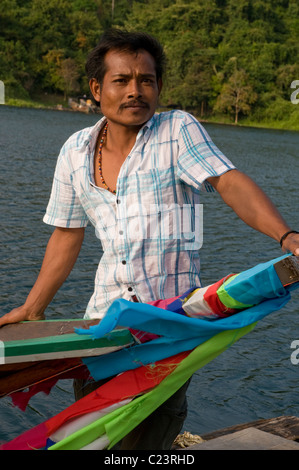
(68, 71)
(200, 38)
(189, 31)
(236, 95)
(286, 74)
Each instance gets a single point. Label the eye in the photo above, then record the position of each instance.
(147, 80)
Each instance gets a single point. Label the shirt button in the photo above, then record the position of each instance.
(124, 261)
(121, 232)
(117, 201)
(130, 289)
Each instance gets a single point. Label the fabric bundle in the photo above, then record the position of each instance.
(173, 342)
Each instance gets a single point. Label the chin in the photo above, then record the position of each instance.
(140, 119)
(131, 120)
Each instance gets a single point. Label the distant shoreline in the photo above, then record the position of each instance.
(245, 122)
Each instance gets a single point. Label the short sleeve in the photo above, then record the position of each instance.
(199, 158)
(64, 208)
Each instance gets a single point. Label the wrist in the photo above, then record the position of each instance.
(31, 313)
(285, 235)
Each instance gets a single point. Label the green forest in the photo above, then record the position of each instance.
(231, 61)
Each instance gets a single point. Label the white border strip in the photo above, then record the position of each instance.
(2, 353)
(58, 354)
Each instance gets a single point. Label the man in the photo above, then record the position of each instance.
(125, 175)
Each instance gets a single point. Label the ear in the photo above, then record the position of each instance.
(95, 89)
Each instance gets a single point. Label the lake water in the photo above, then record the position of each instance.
(255, 378)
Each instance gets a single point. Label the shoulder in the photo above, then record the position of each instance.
(76, 147)
(169, 123)
(175, 119)
(80, 139)
(178, 124)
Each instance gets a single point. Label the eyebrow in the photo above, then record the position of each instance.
(127, 75)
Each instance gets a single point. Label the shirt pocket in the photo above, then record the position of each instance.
(159, 207)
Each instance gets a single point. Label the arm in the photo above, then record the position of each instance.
(61, 254)
(254, 207)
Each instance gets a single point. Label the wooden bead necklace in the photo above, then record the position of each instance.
(102, 141)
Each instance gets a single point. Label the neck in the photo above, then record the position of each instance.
(121, 139)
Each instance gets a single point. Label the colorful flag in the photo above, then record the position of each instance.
(114, 426)
(125, 386)
(180, 344)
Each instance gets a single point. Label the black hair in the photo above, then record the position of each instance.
(125, 41)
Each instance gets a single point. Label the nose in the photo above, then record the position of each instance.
(135, 90)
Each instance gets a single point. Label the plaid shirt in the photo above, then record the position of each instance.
(150, 230)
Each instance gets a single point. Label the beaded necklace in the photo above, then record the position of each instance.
(103, 138)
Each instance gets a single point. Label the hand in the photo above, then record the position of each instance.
(19, 314)
(291, 244)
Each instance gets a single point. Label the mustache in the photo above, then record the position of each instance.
(135, 102)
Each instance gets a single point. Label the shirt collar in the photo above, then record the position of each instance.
(92, 135)
(93, 132)
(146, 129)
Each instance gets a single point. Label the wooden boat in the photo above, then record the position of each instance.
(278, 433)
(33, 352)
(55, 339)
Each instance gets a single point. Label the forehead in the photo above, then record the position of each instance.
(125, 62)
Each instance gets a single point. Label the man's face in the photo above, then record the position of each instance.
(129, 92)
